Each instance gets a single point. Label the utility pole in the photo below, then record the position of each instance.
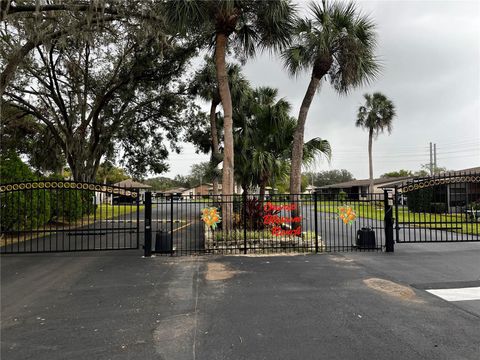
(431, 160)
(434, 158)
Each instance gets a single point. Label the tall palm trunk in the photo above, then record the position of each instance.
(297, 146)
(261, 195)
(370, 162)
(228, 161)
(298, 137)
(215, 146)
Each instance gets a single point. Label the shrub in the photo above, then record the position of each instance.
(420, 200)
(13, 169)
(70, 205)
(438, 208)
(474, 205)
(21, 210)
(254, 213)
(342, 196)
(66, 205)
(24, 210)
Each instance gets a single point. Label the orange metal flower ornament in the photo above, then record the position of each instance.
(347, 214)
(211, 217)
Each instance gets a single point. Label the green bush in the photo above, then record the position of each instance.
(420, 200)
(342, 196)
(474, 205)
(66, 205)
(21, 210)
(438, 208)
(69, 205)
(13, 169)
(24, 210)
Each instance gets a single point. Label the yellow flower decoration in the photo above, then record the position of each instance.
(347, 214)
(211, 217)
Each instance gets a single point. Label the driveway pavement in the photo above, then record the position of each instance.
(117, 305)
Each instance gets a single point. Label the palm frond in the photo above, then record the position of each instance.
(314, 148)
(296, 59)
(377, 114)
(337, 33)
(275, 23)
(183, 15)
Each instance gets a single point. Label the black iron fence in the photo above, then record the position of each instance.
(58, 215)
(307, 223)
(440, 208)
(420, 220)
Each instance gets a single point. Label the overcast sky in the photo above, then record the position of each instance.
(430, 54)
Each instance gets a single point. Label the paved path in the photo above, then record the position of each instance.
(116, 305)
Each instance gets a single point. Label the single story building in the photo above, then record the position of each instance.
(128, 184)
(310, 189)
(133, 185)
(358, 189)
(175, 192)
(200, 190)
(457, 194)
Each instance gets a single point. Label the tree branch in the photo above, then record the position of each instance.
(15, 60)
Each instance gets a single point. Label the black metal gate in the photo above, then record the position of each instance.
(442, 208)
(58, 215)
(280, 223)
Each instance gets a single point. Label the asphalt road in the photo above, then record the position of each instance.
(117, 305)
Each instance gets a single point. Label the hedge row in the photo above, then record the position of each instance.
(30, 209)
(423, 201)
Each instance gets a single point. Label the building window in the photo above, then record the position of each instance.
(458, 194)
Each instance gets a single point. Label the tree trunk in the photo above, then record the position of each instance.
(228, 160)
(261, 195)
(245, 189)
(215, 146)
(297, 147)
(298, 137)
(370, 162)
(80, 172)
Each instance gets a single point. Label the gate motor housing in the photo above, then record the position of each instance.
(163, 243)
(366, 238)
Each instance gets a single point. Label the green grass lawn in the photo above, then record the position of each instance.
(106, 211)
(454, 222)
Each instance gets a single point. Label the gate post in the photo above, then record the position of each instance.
(171, 221)
(397, 226)
(244, 209)
(389, 242)
(147, 247)
(316, 220)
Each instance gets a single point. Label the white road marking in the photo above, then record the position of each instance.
(461, 294)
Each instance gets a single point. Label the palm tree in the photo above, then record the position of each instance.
(204, 85)
(338, 45)
(376, 116)
(264, 154)
(241, 26)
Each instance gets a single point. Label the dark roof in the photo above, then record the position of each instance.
(129, 184)
(473, 170)
(174, 190)
(400, 182)
(364, 182)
